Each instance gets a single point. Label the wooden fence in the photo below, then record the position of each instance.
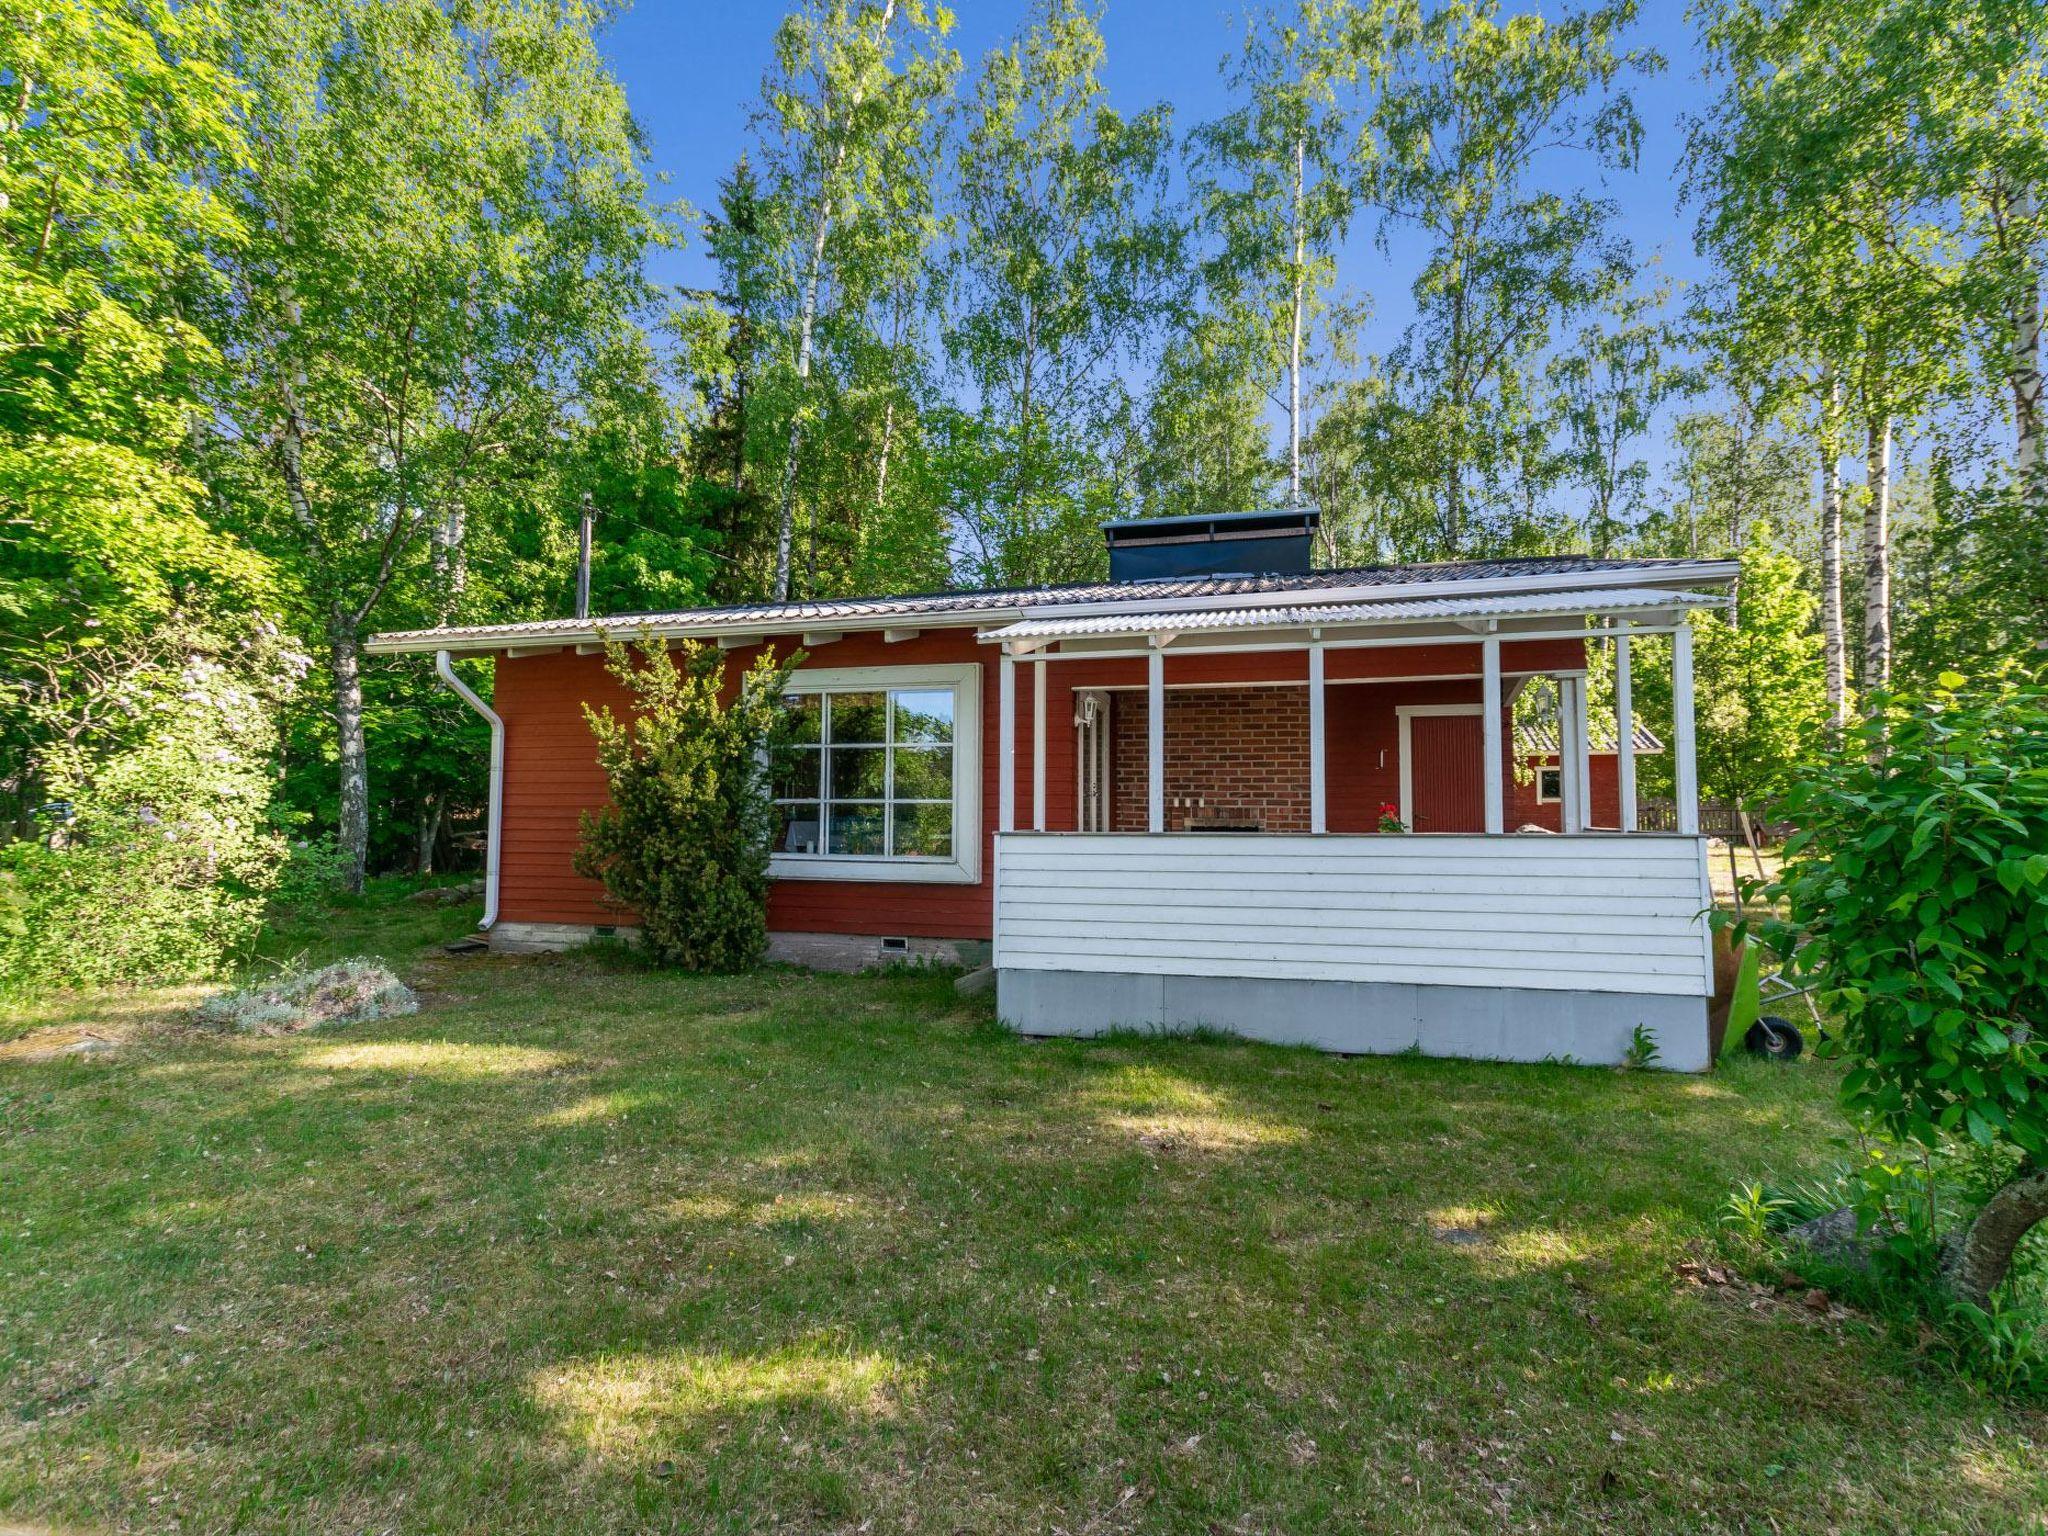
(1718, 818)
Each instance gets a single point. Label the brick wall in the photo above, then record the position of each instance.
(1241, 752)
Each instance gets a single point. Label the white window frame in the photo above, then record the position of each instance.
(1542, 769)
(964, 868)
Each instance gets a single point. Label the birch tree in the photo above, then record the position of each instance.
(1279, 178)
(1067, 266)
(446, 223)
(1475, 103)
(1840, 266)
(1610, 384)
(846, 108)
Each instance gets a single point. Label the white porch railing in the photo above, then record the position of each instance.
(1594, 913)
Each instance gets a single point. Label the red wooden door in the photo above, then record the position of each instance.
(1444, 788)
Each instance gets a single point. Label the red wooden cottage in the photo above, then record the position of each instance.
(1157, 800)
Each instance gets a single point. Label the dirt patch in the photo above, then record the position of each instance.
(49, 1044)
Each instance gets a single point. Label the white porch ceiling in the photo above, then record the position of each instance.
(1615, 602)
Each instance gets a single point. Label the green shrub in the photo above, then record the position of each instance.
(315, 870)
(684, 843)
(152, 857)
(1915, 898)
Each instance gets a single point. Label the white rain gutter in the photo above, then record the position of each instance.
(463, 691)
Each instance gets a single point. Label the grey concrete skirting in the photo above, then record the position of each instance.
(813, 951)
(1363, 1017)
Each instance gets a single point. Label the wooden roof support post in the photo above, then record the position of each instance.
(1038, 743)
(1318, 773)
(1582, 741)
(1571, 810)
(1155, 741)
(1006, 744)
(1684, 763)
(1490, 735)
(1625, 729)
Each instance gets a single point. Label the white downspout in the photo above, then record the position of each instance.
(493, 829)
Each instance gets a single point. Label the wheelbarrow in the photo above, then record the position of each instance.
(1751, 1004)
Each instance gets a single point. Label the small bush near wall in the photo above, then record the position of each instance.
(684, 843)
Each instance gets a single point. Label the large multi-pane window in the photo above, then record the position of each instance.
(866, 773)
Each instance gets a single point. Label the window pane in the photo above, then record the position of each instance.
(923, 715)
(924, 831)
(857, 772)
(798, 832)
(801, 720)
(924, 773)
(793, 773)
(856, 829)
(858, 717)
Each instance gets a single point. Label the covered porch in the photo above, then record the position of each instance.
(1190, 804)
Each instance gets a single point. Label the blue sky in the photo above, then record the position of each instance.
(692, 71)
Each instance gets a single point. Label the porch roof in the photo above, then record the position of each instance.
(1565, 580)
(1649, 604)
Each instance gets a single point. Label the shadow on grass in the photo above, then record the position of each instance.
(591, 1248)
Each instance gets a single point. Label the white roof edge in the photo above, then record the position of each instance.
(1227, 615)
(1692, 573)
(498, 636)
(1675, 578)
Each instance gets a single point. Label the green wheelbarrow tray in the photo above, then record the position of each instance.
(1746, 1002)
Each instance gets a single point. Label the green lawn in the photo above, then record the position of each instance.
(580, 1249)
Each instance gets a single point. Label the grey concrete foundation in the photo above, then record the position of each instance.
(813, 951)
(1363, 1017)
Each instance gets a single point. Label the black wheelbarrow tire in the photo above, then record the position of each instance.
(1774, 1037)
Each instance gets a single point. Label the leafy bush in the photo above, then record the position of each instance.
(1915, 897)
(346, 992)
(152, 857)
(315, 869)
(684, 843)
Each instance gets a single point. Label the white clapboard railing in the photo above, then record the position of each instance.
(1612, 913)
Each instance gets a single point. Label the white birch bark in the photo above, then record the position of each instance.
(344, 655)
(1877, 561)
(1834, 647)
(2023, 359)
(821, 226)
(1294, 335)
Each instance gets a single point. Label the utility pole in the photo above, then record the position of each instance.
(583, 559)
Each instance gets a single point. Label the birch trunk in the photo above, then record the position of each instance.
(1835, 649)
(1980, 1256)
(1294, 332)
(2023, 363)
(1877, 559)
(785, 522)
(449, 541)
(882, 465)
(345, 659)
(429, 832)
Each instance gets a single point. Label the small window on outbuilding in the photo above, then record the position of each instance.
(1549, 785)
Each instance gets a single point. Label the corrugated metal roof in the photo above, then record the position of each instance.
(1538, 738)
(1299, 616)
(1565, 571)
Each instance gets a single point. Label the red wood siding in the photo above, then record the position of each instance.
(1605, 772)
(551, 772)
